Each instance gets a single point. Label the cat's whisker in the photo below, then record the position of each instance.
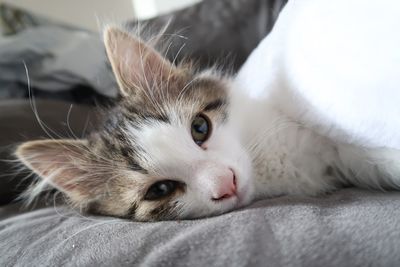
(276, 126)
(68, 122)
(107, 183)
(74, 213)
(32, 101)
(184, 89)
(174, 63)
(85, 127)
(105, 222)
(166, 87)
(255, 145)
(82, 162)
(147, 85)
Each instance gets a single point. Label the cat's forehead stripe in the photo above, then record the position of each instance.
(214, 105)
(158, 117)
(120, 145)
(128, 154)
(135, 113)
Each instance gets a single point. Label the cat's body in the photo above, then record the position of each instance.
(329, 75)
(186, 144)
(291, 158)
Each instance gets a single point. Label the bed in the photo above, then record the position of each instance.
(348, 228)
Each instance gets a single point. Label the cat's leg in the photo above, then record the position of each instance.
(377, 168)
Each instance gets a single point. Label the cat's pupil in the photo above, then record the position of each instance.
(161, 189)
(200, 129)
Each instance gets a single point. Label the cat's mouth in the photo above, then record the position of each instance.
(239, 195)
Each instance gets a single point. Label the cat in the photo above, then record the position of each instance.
(184, 144)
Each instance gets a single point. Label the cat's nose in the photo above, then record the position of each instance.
(226, 186)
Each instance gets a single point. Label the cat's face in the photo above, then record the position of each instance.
(166, 151)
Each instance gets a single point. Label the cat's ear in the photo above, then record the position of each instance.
(135, 64)
(60, 163)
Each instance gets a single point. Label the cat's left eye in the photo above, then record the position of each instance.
(200, 129)
(161, 189)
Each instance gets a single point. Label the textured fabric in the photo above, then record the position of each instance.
(58, 59)
(348, 228)
(63, 62)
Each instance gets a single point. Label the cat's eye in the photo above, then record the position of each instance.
(161, 189)
(200, 129)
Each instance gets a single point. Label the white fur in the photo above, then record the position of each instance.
(172, 153)
(334, 65)
(323, 89)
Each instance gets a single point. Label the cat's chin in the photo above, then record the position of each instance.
(242, 201)
(244, 197)
(232, 204)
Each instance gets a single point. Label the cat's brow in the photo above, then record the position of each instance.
(140, 113)
(216, 104)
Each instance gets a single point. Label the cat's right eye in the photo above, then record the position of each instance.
(161, 189)
(200, 129)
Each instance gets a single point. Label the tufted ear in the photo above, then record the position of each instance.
(135, 64)
(61, 163)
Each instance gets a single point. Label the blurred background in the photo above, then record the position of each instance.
(86, 13)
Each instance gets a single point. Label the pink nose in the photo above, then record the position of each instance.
(226, 186)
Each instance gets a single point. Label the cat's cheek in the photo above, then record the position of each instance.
(245, 189)
(242, 166)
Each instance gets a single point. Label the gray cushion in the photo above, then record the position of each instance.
(351, 227)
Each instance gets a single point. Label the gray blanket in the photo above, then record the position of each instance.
(349, 228)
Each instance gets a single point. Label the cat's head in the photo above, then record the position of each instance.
(165, 151)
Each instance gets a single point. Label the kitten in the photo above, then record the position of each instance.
(186, 144)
